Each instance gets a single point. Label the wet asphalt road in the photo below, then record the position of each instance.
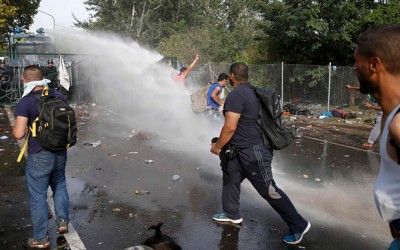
(330, 185)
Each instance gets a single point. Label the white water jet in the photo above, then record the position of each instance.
(128, 79)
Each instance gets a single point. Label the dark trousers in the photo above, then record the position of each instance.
(254, 163)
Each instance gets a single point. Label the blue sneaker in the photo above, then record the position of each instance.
(222, 217)
(296, 238)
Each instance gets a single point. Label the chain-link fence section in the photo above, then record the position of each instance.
(322, 87)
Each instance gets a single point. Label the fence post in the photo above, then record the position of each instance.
(209, 67)
(282, 88)
(329, 85)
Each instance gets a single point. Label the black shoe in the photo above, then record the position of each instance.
(62, 227)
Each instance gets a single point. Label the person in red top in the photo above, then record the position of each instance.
(180, 78)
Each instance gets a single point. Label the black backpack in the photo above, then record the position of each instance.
(55, 126)
(275, 133)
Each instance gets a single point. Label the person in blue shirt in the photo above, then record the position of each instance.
(214, 102)
(214, 92)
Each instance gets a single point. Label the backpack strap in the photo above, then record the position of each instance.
(45, 92)
(394, 144)
(23, 148)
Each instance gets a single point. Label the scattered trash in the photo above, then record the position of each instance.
(175, 177)
(149, 161)
(301, 247)
(317, 179)
(1, 149)
(142, 135)
(93, 144)
(324, 117)
(11, 202)
(348, 122)
(116, 209)
(3, 137)
(327, 113)
(347, 156)
(305, 176)
(141, 192)
(133, 152)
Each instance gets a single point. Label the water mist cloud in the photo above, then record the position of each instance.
(129, 80)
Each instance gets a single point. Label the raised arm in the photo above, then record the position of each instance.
(190, 67)
(352, 87)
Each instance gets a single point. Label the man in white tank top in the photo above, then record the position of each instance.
(377, 66)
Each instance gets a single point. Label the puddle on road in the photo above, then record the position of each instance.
(331, 184)
(79, 189)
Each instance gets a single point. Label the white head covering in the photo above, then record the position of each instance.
(28, 87)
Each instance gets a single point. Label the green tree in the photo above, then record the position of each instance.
(218, 30)
(16, 13)
(322, 31)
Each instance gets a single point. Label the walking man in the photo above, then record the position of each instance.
(377, 67)
(44, 168)
(252, 161)
(376, 128)
(214, 103)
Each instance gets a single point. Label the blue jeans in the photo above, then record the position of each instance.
(46, 169)
(254, 163)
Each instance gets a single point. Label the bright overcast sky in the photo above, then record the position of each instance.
(62, 11)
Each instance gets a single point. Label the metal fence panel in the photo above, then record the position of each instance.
(295, 82)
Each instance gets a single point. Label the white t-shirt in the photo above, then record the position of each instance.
(387, 186)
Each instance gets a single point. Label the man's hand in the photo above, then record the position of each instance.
(368, 105)
(214, 149)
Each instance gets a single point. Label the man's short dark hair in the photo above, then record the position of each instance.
(240, 70)
(384, 42)
(33, 73)
(222, 77)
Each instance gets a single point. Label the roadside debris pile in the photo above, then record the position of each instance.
(304, 111)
